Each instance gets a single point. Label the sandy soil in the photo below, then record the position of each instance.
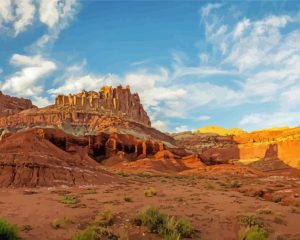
(213, 205)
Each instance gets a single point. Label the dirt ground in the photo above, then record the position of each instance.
(213, 204)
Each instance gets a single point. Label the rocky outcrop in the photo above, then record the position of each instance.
(265, 150)
(12, 105)
(36, 158)
(47, 156)
(89, 113)
(109, 100)
(220, 130)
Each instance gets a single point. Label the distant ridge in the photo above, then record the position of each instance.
(220, 130)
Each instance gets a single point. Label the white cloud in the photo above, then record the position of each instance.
(241, 27)
(26, 81)
(56, 15)
(25, 11)
(6, 12)
(49, 13)
(160, 125)
(205, 11)
(268, 120)
(182, 128)
(290, 98)
(203, 57)
(204, 118)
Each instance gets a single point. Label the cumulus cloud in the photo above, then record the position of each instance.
(26, 81)
(16, 14)
(25, 11)
(56, 15)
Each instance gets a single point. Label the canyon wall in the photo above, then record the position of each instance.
(266, 149)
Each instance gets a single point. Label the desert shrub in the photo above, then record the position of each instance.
(95, 233)
(185, 227)
(87, 234)
(231, 184)
(279, 219)
(166, 226)
(250, 220)
(8, 231)
(61, 222)
(89, 191)
(105, 218)
(70, 199)
(150, 192)
(264, 211)
(253, 233)
(127, 199)
(209, 186)
(277, 198)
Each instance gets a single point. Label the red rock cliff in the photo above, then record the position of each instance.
(12, 105)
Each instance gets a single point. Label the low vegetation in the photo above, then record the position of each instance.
(89, 191)
(61, 222)
(95, 233)
(253, 228)
(70, 199)
(127, 199)
(150, 192)
(277, 198)
(279, 219)
(264, 211)
(168, 227)
(253, 233)
(105, 218)
(8, 231)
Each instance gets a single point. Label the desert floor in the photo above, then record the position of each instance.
(213, 204)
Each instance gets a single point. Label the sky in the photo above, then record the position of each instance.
(193, 63)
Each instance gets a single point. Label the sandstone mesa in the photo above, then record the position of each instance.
(64, 143)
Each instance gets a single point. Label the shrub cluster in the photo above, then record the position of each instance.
(165, 225)
(8, 231)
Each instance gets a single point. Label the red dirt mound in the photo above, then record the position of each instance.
(29, 159)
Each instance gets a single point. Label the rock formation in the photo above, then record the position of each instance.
(220, 130)
(266, 149)
(109, 100)
(110, 109)
(12, 105)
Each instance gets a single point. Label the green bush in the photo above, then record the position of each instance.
(166, 226)
(185, 227)
(87, 234)
(8, 231)
(96, 233)
(254, 233)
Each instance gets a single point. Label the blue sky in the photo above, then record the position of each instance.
(194, 63)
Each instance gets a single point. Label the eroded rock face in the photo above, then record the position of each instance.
(12, 105)
(89, 113)
(265, 150)
(39, 157)
(109, 100)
